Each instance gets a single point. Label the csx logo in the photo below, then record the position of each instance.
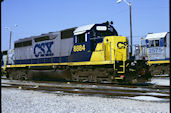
(43, 49)
(122, 45)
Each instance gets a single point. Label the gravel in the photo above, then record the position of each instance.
(24, 101)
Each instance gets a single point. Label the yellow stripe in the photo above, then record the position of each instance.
(158, 62)
(27, 65)
(118, 78)
(90, 63)
(60, 64)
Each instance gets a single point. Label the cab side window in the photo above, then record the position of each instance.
(151, 43)
(165, 43)
(157, 43)
(93, 34)
(81, 38)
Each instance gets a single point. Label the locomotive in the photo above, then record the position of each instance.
(155, 49)
(91, 53)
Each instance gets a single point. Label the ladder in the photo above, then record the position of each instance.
(122, 67)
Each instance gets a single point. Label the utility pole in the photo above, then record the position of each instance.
(10, 40)
(10, 30)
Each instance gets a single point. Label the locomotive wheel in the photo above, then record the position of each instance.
(160, 69)
(12, 74)
(20, 74)
(92, 76)
(74, 75)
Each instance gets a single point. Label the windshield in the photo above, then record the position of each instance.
(102, 31)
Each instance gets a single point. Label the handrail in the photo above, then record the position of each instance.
(104, 51)
(147, 54)
(115, 52)
(114, 59)
(110, 52)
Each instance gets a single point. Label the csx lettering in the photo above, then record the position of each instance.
(156, 50)
(122, 45)
(43, 49)
(78, 48)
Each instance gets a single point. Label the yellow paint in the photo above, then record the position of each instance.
(29, 65)
(89, 63)
(118, 78)
(119, 52)
(97, 56)
(59, 64)
(78, 48)
(158, 62)
(99, 47)
(131, 69)
(123, 68)
(108, 50)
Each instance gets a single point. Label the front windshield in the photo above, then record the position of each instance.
(109, 31)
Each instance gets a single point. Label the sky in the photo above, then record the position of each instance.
(35, 17)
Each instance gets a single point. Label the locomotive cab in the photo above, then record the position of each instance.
(86, 39)
(157, 46)
(92, 34)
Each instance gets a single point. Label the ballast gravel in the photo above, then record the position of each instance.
(24, 101)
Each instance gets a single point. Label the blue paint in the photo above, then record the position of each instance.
(56, 60)
(80, 56)
(49, 52)
(122, 45)
(147, 43)
(43, 60)
(161, 43)
(154, 50)
(44, 49)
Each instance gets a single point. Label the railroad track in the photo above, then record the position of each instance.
(103, 90)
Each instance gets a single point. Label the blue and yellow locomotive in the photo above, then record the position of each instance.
(93, 53)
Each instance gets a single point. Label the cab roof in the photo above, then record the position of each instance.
(83, 29)
(156, 36)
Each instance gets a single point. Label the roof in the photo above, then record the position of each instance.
(31, 37)
(23, 39)
(83, 29)
(156, 36)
